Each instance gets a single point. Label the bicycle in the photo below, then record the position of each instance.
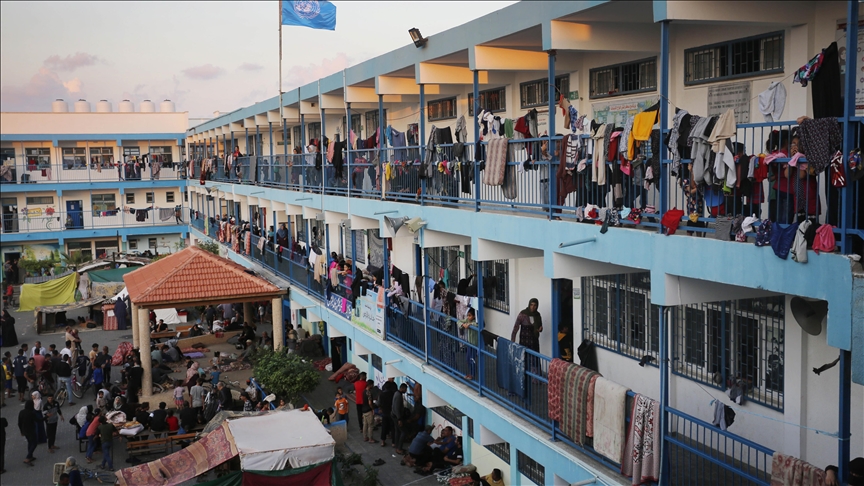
(101, 476)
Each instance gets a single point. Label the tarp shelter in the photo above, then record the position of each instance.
(112, 275)
(290, 447)
(47, 316)
(54, 292)
(168, 315)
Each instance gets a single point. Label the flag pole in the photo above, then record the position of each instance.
(281, 118)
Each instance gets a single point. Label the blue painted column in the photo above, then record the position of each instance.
(303, 148)
(664, 117)
(353, 251)
(425, 299)
(843, 452)
(385, 284)
(551, 128)
(348, 144)
(268, 175)
(664, 389)
(422, 137)
(846, 200)
(381, 125)
(476, 167)
(323, 150)
(481, 323)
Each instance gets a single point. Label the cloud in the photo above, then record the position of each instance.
(300, 75)
(36, 95)
(71, 62)
(205, 72)
(250, 66)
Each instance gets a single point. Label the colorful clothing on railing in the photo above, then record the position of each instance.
(510, 367)
(574, 402)
(641, 460)
(820, 139)
(806, 72)
(609, 418)
(557, 368)
(791, 471)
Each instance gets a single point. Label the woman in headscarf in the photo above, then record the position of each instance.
(529, 325)
(27, 426)
(192, 375)
(10, 337)
(74, 473)
(81, 416)
(41, 434)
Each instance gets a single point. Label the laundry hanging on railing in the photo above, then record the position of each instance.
(496, 162)
(641, 458)
(510, 367)
(165, 214)
(609, 418)
(791, 471)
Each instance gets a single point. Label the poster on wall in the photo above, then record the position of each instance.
(369, 314)
(379, 379)
(732, 95)
(617, 111)
(376, 249)
(840, 36)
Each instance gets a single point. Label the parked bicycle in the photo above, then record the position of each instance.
(101, 476)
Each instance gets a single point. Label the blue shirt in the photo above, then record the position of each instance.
(419, 443)
(215, 376)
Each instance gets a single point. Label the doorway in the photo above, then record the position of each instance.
(562, 289)
(74, 209)
(10, 214)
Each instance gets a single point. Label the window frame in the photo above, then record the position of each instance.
(33, 201)
(313, 131)
(101, 155)
(41, 154)
(543, 84)
(371, 120)
(618, 78)
(360, 256)
(164, 151)
(483, 95)
(169, 197)
(152, 243)
(130, 198)
(439, 103)
(530, 468)
(729, 59)
(133, 244)
(150, 197)
(103, 200)
(436, 256)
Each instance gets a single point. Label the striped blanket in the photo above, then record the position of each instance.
(574, 402)
(641, 460)
(496, 162)
(556, 383)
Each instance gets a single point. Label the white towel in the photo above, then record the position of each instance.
(772, 101)
(610, 431)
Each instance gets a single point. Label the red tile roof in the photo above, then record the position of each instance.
(195, 275)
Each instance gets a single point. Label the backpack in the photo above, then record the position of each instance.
(764, 233)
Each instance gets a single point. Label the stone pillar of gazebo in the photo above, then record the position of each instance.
(136, 340)
(277, 323)
(249, 313)
(146, 359)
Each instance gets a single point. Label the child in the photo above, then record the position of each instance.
(215, 374)
(216, 360)
(101, 402)
(341, 406)
(98, 375)
(172, 421)
(178, 394)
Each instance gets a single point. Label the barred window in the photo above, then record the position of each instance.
(536, 93)
(531, 469)
(441, 109)
(720, 343)
(492, 100)
(450, 414)
(496, 281)
(444, 265)
(626, 78)
(313, 131)
(359, 255)
(740, 58)
(356, 125)
(502, 450)
(619, 316)
(372, 122)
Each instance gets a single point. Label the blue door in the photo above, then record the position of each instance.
(75, 212)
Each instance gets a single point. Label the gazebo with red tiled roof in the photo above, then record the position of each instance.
(193, 277)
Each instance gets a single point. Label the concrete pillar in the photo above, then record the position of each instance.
(249, 313)
(146, 361)
(278, 338)
(135, 331)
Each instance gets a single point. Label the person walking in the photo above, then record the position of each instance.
(19, 364)
(64, 376)
(107, 433)
(53, 415)
(27, 427)
(397, 414)
(10, 337)
(385, 402)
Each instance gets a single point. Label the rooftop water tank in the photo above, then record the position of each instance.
(126, 106)
(147, 106)
(59, 106)
(82, 106)
(166, 106)
(103, 106)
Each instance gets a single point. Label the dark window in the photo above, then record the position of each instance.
(313, 131)
(101, 156)
(372, 122)
(531, 469)
(536, 93)
(444, 265)
(75, 158)
(502, 450)
(496, 285)
(619, 315)
(626, 78)
(450, 414)
(163, 153)
(492, 100)
(150, 197)
(37, 200)
(360, 245)
(441, 109)
(751, 56)
(356, 125)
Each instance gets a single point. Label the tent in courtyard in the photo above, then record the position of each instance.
(285, 447)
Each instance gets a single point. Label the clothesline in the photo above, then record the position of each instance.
(748, 101)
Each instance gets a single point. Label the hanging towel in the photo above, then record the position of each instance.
(642, 451)
(610, 404)
(772, 101)
(574, 404)
(557, 368)
(510, 369)
(165, 214)
(791, 471)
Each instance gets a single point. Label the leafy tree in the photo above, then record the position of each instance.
(209, 245)
(75, 259)
(286, 375)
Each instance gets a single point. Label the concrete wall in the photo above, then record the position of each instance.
(93, 123)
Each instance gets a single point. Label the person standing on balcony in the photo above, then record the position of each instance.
(469, 329)
(529, 325)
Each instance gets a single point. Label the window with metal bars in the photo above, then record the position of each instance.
(295, 137)
(372, 122)
(618, 314)
(502, 450)
(75, 158)
(450, 414)
(356, 125)
(441, 109)
(740, 58)
(492, 100)
(625, 78)
(536, 93)
(313, 131)
(496, 281)
(531, 469)
(444, 265)
(719, 343)
(360, 245)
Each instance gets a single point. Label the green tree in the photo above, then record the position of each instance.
(209, 245)
(286, 375)
(75, 259)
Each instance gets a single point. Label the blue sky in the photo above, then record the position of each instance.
(204, 56)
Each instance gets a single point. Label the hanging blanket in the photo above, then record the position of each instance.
(123, 350)
(213, 449)
(165, 214)
(610, 401)
(642, 453)
(496, 162)
(511, 367)
(557, 368)
(574, 403)
(510, 189)
(589, 408)
(791, 471)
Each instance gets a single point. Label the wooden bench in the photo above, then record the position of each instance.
(183, 330)
(161, 445)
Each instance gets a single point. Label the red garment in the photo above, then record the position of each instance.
(825, 240)
(359, 391)
(173, 424)
(671, 220)
(760, 173)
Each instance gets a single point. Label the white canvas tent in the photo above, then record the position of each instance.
(168, 315)
(275, 441)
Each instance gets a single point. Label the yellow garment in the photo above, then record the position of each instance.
(53, 292)
(492, 482)
(388, 171)
(642, 125)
